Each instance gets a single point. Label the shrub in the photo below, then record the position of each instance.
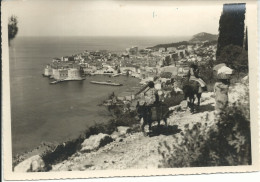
(185, 149)
(235, 57)
(224, 143)
(61, 152)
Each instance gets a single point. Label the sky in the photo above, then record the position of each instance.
(112, 18)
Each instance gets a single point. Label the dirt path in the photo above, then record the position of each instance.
(136, 150)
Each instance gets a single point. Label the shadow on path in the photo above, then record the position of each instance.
(164, 130)
(203, 108)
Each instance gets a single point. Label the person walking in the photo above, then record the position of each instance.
(221, 89)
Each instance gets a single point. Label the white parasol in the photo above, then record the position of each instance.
(225, 70)
(218, 66)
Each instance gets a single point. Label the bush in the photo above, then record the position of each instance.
(233, 137)
(61, 152)
(226, 142)
(122, 115)
(234, 57)
(185, 149)
(207, 75)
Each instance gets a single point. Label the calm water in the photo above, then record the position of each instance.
(43, 112)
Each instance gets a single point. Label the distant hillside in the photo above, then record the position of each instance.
(203, 36)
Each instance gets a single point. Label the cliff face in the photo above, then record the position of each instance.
(203, 36)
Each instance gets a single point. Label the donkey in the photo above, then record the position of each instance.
(190, 90)
(151, 113)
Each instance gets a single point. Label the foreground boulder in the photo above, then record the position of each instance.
(32, 164)
(94, 142)
(122, 130)
(181, 107)
(245, 80)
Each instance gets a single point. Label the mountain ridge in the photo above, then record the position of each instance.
(204, 36)
(199, 37)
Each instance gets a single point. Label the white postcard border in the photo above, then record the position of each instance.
(253, 75)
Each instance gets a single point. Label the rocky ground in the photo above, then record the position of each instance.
(136, 150)
(129, 149)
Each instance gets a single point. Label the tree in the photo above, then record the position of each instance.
(231, 26)
(235, 57)
(206, 72)
(12, 27)
(246, 41)
(241, 63)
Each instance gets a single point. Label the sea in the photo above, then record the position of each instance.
(42, 112)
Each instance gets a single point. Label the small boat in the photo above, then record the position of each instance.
(115, 75)
(74, 79)
(67, 79)
(106, 83)
(55, 81)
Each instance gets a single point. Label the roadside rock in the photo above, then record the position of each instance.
(115, 135)
(175, 108)
(32, 164)
(239, 92)
(122, 130)
(95, 141)
(245, 80)
(181, 107)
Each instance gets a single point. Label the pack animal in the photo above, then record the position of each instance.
(152, 113)
(190, 90)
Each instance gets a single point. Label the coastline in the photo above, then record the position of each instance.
(47, 145)
(125, 47)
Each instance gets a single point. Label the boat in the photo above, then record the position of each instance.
(106, 83)
(56, 81)
(67, 79)
(74, 79)
(115, 75)
(45, 75)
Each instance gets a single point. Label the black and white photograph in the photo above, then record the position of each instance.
(129, 88)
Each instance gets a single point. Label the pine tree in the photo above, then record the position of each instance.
(231, 26)
(246, 41)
